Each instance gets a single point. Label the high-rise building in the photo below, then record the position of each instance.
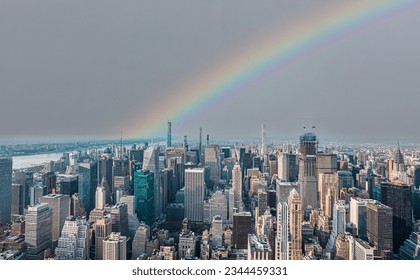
(411, 248)
(326, 163)
(212, 160)
(26, 179)
(73, 243)
(187, 244)
(5, 190)
(263, 139)
(237, 186)
(68, 184)
(18, 199)
(144, 188)
(282, 234)
(195, 188)
(307, 170)
(59, 205)
(100, 197)
(241, 229)
(76, 206)
(379, 227)
(259, 248)
(358, 217)
(88, 181)
(169, 135)
(217, 230)
(361, 250)
(105, 164)
(140, 239)
(399, 197)
(115, 247)
(295, 225)
(120, 174)
(38, 230)
(151, 162)
(102, 228)
(119, 215)
(328, 191)
(216, 205)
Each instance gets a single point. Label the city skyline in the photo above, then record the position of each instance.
(113, 67)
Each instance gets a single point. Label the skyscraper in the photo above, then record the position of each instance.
(307, 170)
(115, 247)
(38, 230)
(194, 194)
(399, 197)
(68, 184)
(102, 228)
(100, 197)
(212, 160)
(140, 239)
(237, 186)
(59, 205)
(5, 190)
(169, 135)
(282, 234)
(88, 181)
(151, 162)
(143, 193)
(358, 218)
(105, 164)
(379, 227)
(295, 225)
(241, 229)
(73, 243)
(26, 179)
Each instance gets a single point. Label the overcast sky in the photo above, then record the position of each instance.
(84, 68)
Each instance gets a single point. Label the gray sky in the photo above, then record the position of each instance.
(84, 68)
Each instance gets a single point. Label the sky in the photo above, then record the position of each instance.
(93, 68)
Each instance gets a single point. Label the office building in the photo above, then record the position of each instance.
(88, 181)
(399, 197)
(115, 247)
(237, 186)
(295, 225)
(282, 235)
(379, 227)
(68, 184)
(38, 230)
(5, 190)
(194, 194)
(144, 188)
(151, 163)
(73, 243)
(241, 229)
(140, 240)
(259, 248)
(102, 228)
(59, 204)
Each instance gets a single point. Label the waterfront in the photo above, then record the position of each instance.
(20, 162)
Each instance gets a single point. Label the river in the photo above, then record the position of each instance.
(33, 160)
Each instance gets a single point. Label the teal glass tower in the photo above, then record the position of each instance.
(143, 193)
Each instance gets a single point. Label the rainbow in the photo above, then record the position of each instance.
(254, 62)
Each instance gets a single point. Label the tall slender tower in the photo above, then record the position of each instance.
(295, 226)
(169, 136)
(237, 186)
(263, 138)
(282, 234)
(200, 144)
